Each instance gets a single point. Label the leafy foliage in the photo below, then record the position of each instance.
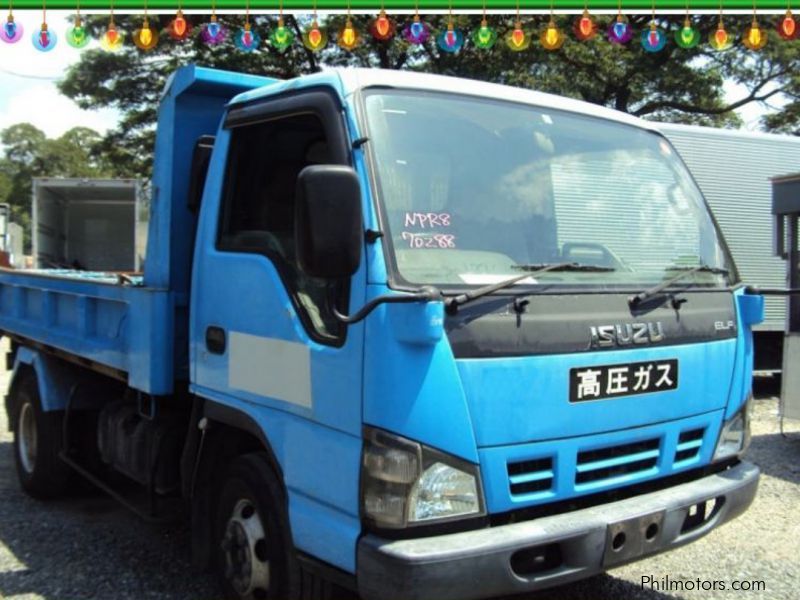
(30, 153)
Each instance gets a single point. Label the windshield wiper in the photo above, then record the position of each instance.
(685, 272)
(543, 267)
(453, 302)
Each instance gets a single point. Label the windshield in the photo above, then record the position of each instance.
(472, 190)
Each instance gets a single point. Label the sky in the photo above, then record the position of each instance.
(28, 92)
(27, 82)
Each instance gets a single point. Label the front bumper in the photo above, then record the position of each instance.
(551, 550)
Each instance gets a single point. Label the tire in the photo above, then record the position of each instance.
(37, 442)
(255, 556)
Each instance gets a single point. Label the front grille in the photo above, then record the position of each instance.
(530, 476)
(689, 444)
(557, 470)
(611, 462)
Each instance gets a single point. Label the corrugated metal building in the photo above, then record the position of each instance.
(733, 168)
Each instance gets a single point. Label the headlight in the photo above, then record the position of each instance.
(735, 435)
(443, 491)
(404, 484)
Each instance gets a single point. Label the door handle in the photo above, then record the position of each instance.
(215, 339)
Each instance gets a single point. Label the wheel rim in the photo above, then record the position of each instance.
(27, 437)
(244, 546)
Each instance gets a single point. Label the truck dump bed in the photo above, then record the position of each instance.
(97, 319)
(133, 327)
(90, 224)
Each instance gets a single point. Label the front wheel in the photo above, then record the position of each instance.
(255, 555)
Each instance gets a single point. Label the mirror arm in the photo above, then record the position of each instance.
(752, 289)
(424, 294)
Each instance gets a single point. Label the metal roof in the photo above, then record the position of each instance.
(106, 190)
(740, 134)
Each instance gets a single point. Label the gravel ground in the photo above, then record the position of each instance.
(89, 547)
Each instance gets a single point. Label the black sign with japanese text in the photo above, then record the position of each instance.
(613, 381)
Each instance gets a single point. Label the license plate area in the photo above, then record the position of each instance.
(624, 379)
(632, 538)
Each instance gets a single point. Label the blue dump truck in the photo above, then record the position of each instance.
(421, 337)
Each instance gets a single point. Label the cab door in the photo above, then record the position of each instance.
(263, 341)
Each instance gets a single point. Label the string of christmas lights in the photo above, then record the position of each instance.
(383, 28)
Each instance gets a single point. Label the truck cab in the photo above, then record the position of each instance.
(418, 336)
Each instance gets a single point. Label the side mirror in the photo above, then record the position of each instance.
(328, 221)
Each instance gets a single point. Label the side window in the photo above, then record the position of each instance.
(258, 208)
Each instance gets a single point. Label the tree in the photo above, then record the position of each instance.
(787, 120)
(29, 153)
(674, 85)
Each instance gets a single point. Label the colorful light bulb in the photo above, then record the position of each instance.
(179, 24)
(281, 37)
(552, 37)
(179, 28)
(687, 36)
(246, 39)
(585, 28)
(450, 40)
(382, 28)
(314, 38)
(43, 39)
(653, 38)
(620, 32)
(484, 37)
(348, 37)
(76, 35)
(11, 32)
(10, 27)
(213, 32)
(416, 32)
(720, 39)
(755, 38)
(518, 39)
(787, 27)
(112, 39)
(145, 38)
